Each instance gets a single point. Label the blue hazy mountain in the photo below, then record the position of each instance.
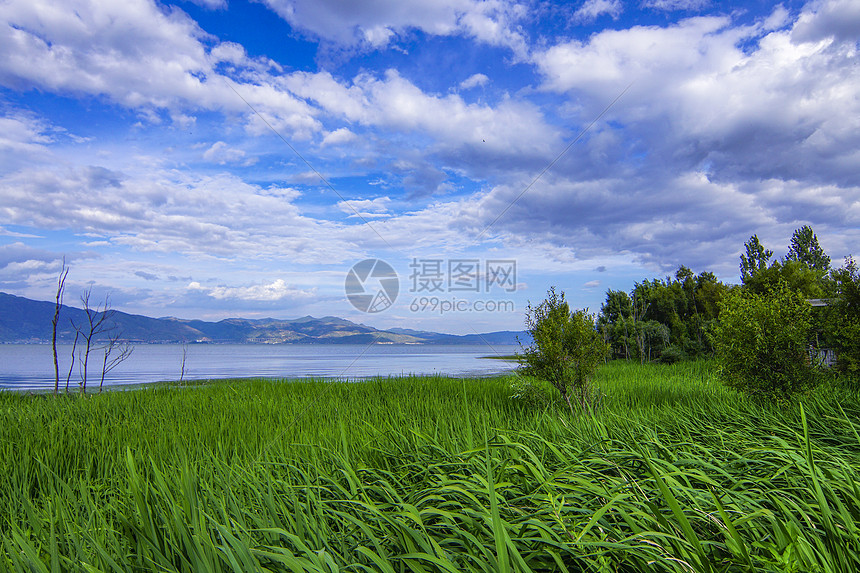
(25, 320)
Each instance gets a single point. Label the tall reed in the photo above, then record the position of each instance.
(668, 472)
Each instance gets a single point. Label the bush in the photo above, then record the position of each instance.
(845, 321)
(566, 348)
(762, 342)
(673, 354)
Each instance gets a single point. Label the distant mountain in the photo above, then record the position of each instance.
(25, 320)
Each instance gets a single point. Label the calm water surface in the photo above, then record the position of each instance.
(31, 366)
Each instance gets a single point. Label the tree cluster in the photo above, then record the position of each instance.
(97, 325)
(765, 333)
(662, 319)
(770, 339)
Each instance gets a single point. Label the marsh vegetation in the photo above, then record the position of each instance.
(671, 471)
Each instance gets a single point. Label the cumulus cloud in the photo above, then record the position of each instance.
(21, 264)
(210, 4)
(593, 9)
(173, 212)
(23, 139)
(671, 5)
(781, 110)
(142, 56)
(367, 208)
(837, 19)
(473, 81)
(514, 131)
(159, 62)
(275, 291)
(339, 136)
(20, 253)
(727, 130)
(222, 153)
(377, 23)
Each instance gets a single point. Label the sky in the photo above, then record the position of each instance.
(224, 158)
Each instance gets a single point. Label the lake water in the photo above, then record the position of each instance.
(31, 366)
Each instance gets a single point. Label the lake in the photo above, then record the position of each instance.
(31, 366)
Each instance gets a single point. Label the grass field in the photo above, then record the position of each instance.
(669, 472)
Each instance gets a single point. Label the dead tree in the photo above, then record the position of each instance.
(115, 353)
(61, 287)
(96, 324)
(184, 356)
(72, 362)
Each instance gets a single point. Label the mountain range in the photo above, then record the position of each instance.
(26, 320)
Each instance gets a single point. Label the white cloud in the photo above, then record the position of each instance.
(474, 81)
(593, 9)
(838, 19)
(277, 290)
(156, 210)
(727, 130)
(141, 56)
(377, 23)
(222, 153)
(780, 110)
(366, 208)
(339, 136)
(672, 5)
(512, 128)
(210, 4)
(23, 139)
(777, 19)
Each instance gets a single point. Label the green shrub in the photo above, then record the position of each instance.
(673, 354)
(845, 321)
(762, 342)
(566, 347)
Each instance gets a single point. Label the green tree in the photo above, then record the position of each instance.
(566, 347)
(803, 269)
(844, 317)
(761, 342)
(614, 322)
(755, 260)
(663, 320)
(805, 249)
(796, 275)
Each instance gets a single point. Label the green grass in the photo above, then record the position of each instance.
(670, 471)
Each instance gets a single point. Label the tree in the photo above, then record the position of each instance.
(61, 287)
(566, 347)
(803, 269)
(805, 249)
(761, 342)
(664, 320)
(755, 260)
(72, 361)
(845, 318)
(797, 276)
(612, 322)
(115, 353)
(96, 324)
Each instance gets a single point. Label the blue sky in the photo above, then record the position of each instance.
(222, 158)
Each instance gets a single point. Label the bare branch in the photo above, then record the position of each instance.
(72, 363)
(96, 324)
(115, 353)
(61, 287)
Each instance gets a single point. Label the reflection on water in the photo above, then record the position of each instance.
(31, 366)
